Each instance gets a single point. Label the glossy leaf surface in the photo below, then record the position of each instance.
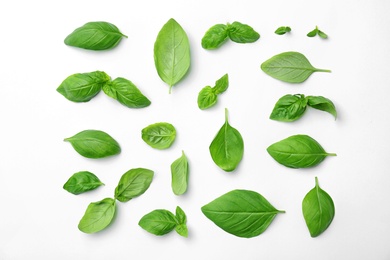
(159, 135)
(81, 182)
(242, 33)
(289, 108)
(215, 37)
(133, 183)
(158, 222)
(97, 216)
(322, 103)
(282, 30)
(180, 173)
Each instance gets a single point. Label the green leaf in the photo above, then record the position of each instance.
(292, 67)
(94, 144)
(82, 87)
(282, 30)
(126, 93)
(133, 183)
(181, 218)
(159, 135)
(98, 216)
(180, 172)
(289, 108)
(207, 98)
(322, 103)
(322, 34)
(222, 84)
(227, 148)
(81, 182)
(242, 213)
(215, 37)
(298, 151)
(242, 33)
(313, 33)
(172, 53)
(95, 36)
(158, 222)
(318, 210)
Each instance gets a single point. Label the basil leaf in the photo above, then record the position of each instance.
(298, 151)
(172, 53)
(222, 84)
(94, 144)
(322, 103)
(282, 30)
(98, 216)
(322, 34)
(313, 33)
(82, 87)
(180, 171)
(181, 218)
(126, 93)
(95, 36)
(158, 222)
(207, 98)
(133, 183)
(215, 37)
(292, 67)
(289, 108)
(242, 33)
(81, 182)
(227, 148)
(242, 213)
(159, 135)
(318, 210)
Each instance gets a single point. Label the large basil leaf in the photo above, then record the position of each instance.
(172, 53)
(289, 108)
(292, 67)
(81, 182)
(94, 144)
(126, 93)
(227, 148)
(242, 213)
(98, 216)
(180, 171)
(318, 210)
(181, 227)
(208, 96)
(298, 151)
(133, 183)
(95, 36)
(322, 103)
(158, 222)
(159, 135)
(242, 33)
(82, 87)
(215, 37)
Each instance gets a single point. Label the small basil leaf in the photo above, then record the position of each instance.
(159, 135)
(318, 210)
(282, 30)
(289, 108)
(313, 33)
(133, 183)
(181, 218)
(94, 144)
(82, 87)
(81, 182)
(95, 36)
(207, 98)
(298, 151)
(292, 67)
(180, 171)
(172, 53)
(222, 84)
(322, 103)
(126, 93)
(227, 148)
(182, 230)
(322, 34)
(158, 222)
(215, 37)
(242, 33)
(242, 213)
(98, 216)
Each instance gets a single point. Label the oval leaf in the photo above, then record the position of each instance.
(94, 144)
(82, 87)
(81, 182)
(227, 148)
(282, 30)
(180, 172)
(322, 103)
(292, 67)
(215, 37)
(289, 108)
(133, 183)
(98, 216)
(158, 222)
(126, 93)
(242, 33)
(207, 98)
(242, 213)
(95, 36)
(298, 151)
(222, 84)
(172, 53)
(159, 135)
(318, 210)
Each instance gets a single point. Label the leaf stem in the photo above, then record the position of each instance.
(226, 115)
(316, 180)
(170, 89)
(281, 211)
(331, 154)
(323, 70)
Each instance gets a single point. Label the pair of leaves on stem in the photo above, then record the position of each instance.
(318, 32)
(101, 213)
(291, 107)
(283, 30)
(237, 32)
(161, 221)
(208, 96)
(292, 67)
(82, 87)
(95, 36)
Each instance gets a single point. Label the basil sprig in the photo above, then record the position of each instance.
(283, 30)
(208, 96)
(318, 32)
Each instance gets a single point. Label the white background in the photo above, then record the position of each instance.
(38, 219)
